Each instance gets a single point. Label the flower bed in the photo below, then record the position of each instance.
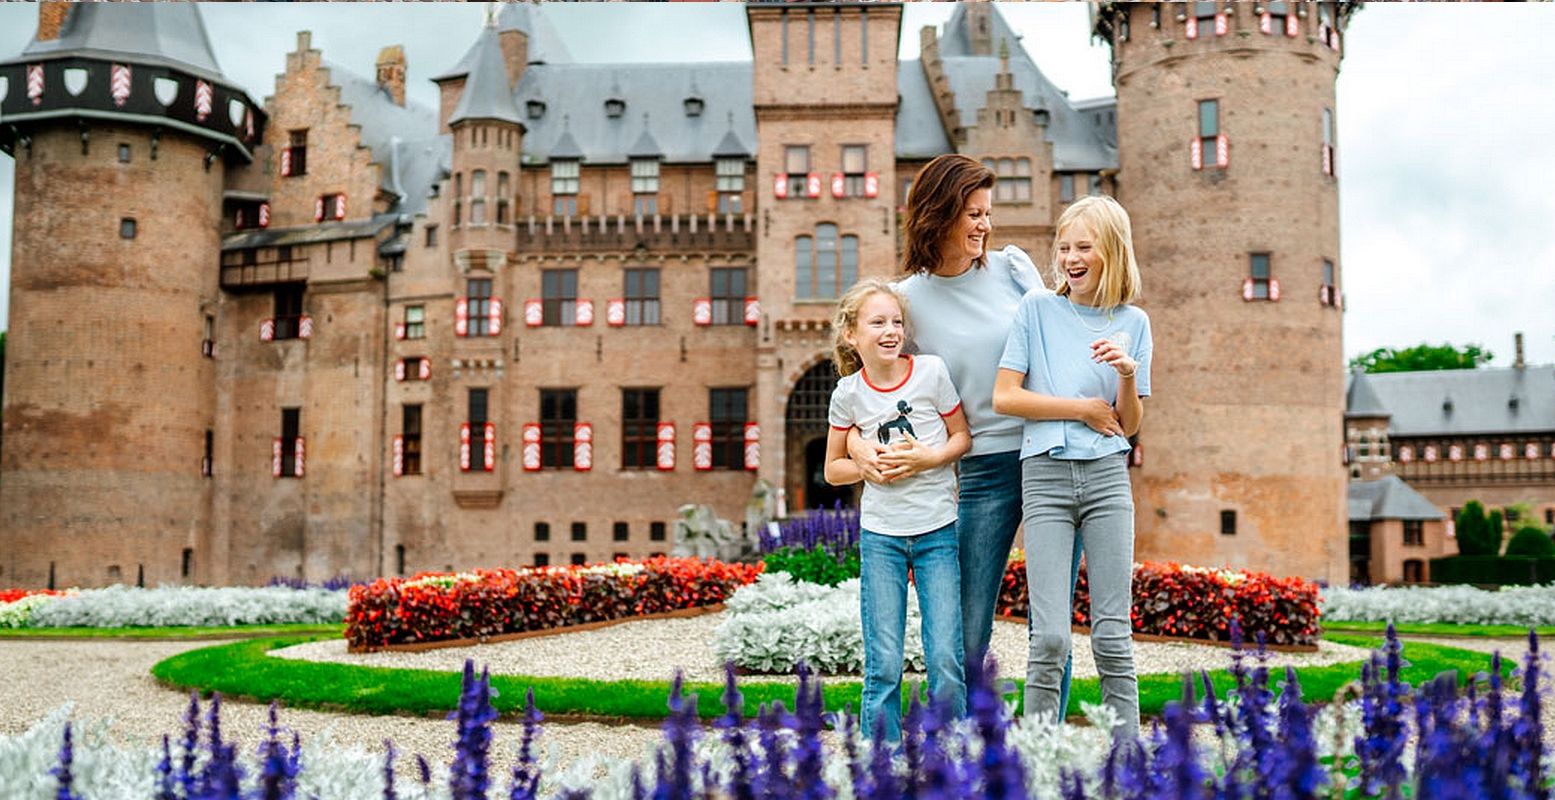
(1529, 606)
(12, 595)
(777, 623)
(438, 606)
(1196, 603)
(174, 606)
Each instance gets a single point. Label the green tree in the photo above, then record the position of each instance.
(1422, 357)
(1474, 531)
(1531, 540)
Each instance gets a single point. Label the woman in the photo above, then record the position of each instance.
(963, 301)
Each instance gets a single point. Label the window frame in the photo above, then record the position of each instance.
(477, 298)
(1260, 282)
(566, 184)
(411, 427)
(728, 428)
(556, 428)
(728, 305)
(853, 179)
(291, 431)
(415, 322)
(797, 180)
(641, 408)
(1209, 133)
(642, 305)
(559, 297)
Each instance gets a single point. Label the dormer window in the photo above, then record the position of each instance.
(615, 107)
(694, 106)
(536, 108)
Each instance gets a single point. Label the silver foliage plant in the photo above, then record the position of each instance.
(775, 624)
(124, 606)
(1527, 606)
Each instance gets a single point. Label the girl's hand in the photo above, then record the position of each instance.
(1106, 351)
(866, 454)
(907, 458)
(1101, 417)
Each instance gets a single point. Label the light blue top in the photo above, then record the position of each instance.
(965, 321)
(1051, 343)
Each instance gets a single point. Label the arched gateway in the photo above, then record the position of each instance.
(804, 438)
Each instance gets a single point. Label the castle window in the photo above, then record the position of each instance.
(1095, 183)
(1209, 128)
(1066, 188)
(727, 413)
(824, 266)
(535, 108)
(1328, 141)
(288, 312)
(855, 160)
(1414, 571)
(431, 236)
(1328, 292)
(1013, 184)
(478, 197)
(415, 322)
(294, 159)
(479, 306)
(728, 295)
(564, 177)
(124, 153)
(127, 228)
(615, 107)
(1259, 273)
(639, 428)
(330, 207)
(580, 531)
(694, 106)
(186, 565)
(558, 415)
(502, 199)
(291, 423)
(579, 559)
(656, 531)
(796, 162)
(645, 186)
(476, 416)
(642, 297)
(410, 433)
(730, 184)
(207, 462)
(1228, 522)
(542, 559)
(558, 296)
(1204, 10)
(1414, 533)
(542, 531)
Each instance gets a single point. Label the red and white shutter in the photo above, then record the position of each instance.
(1274, 289)
(119, 83)
(424, 368)
(202, 100)
(286, 162)
(1508, 452)
(839, 184)
(494, 317)
(264, 215)
(1222, 151)
(1406, 454)
(462, 317)
(534, 313)
(300, 452)
(305, 327)
(464, 446)
(582, 446)
(275, 458)
(1193, 27)
(780, 185)
(752, 446)
(1196, 153)
(1454, 452)
(615, 312)
(399, 330)
(489, 447)
(1292, 25)
(1481, 452)
(1247, 288)
(1328, 159)
(399, 370)
(340, 206)
(752, 311)
(702, 446)
(531, 446)
(1325, 295)
(399, 456)
(871, 184)
(583, 313)
(237, 219)
(267, 330)
(665, 450)
(1531, 451)
(1222, 24)
(35, 83)
(1266, 23)
(702, 311)
(1430, 454)
(812, 185)
(318, 210)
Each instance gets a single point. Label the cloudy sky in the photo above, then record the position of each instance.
(1446, 119)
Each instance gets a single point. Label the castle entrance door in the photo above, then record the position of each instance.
(804, 437)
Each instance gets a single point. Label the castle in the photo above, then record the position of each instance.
(335, 332)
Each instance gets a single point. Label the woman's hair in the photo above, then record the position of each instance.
(844, 356)
(934, 204)
(1114, 242)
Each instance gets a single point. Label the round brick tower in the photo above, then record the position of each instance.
(121, 125)
(1226, 160)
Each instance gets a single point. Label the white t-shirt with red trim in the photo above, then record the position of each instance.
(919, 404)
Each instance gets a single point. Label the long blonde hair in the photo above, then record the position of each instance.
(844, 356)
(1120, 282)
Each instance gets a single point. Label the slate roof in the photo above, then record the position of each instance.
(403, 139)
(545, 44)
(486, 94)
(1389, 498)
(163, 34)
(1360, 400)
(918, 130)
(1481, 400)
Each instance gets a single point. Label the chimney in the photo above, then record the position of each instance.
(391, 72)
(51, 20)
(1517, 345)
(304, 41)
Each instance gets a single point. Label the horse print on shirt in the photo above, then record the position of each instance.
(901, 423)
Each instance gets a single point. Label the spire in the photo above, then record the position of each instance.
(1362, 400)
(645, 146)
(486, 92)
(730, 146)
(566, 147)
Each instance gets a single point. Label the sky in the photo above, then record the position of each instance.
(1445, 114)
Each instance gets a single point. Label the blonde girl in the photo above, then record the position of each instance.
(1067, 349)
(908, 404)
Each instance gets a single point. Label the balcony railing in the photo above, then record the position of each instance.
(657, 232)
(262, 273)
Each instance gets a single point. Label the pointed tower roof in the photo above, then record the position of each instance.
(545, 45)
(730, 146)
(486, 93)
(566, 148)
(646, 146)
(161, 34)
(1361, 400)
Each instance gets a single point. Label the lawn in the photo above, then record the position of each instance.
(242, 670)
(1439, 629)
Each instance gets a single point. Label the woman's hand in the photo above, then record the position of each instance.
(1100, 416)
(866, 454)
(907, 458)
(1106, 351)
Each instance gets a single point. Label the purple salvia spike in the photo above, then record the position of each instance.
(388, 771)
(62, 772)
(165, 771)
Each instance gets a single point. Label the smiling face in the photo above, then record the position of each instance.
(880, 331)
(968, 236)
(1079, 262)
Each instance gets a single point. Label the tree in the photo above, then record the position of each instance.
(1531, 540)
(1422, 357)
(1476, 536)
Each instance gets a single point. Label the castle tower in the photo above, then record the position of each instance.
(122, 126)
(825, 98)
(1236, 226)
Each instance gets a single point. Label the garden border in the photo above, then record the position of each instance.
(441, 644)
(1155, 638)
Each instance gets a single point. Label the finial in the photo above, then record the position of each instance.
(491, 15)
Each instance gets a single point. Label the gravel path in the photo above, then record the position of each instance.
(653, 649)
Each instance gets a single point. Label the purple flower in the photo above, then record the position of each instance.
(468, 778)
(526, 773)
(277, 770)
(165, 772)
(388, 771)
(62, 772)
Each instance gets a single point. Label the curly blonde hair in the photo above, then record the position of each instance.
(844, 356)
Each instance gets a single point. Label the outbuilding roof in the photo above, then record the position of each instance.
(1389, 497)
(1467, 401)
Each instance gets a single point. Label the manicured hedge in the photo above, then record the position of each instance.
(438, 606)
(1197, 603)
(1493, 570)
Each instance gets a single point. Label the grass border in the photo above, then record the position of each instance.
(177, 632)
(241, 670)
(1443, 629)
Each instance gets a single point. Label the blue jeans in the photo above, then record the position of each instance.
(989, 513)
(883, 605)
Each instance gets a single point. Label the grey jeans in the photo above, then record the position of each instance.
(1088, 502)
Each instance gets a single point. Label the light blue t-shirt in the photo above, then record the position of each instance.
(965, 321)
(1051, 343)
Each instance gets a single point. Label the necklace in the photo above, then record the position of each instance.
(1105, 324)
